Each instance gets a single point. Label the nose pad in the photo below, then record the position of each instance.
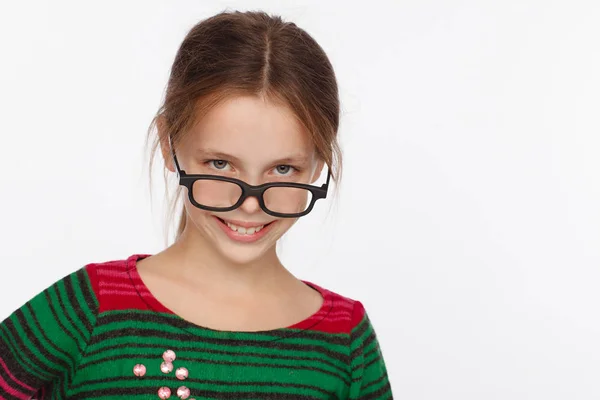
(250, 205)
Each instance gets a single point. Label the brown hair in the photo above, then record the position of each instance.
(251, 53)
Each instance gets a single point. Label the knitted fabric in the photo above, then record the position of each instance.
(82, 337)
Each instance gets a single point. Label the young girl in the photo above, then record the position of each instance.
(248, 124)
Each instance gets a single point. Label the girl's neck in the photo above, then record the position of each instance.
(192, 258)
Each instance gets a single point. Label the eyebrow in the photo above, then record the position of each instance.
(293, 159)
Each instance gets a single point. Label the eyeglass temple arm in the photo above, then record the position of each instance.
(174, 156)
(326, 184)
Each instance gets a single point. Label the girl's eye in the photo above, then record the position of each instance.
(284, 169)
(219, 164)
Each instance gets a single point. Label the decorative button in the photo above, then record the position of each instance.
(169, 356)
(139, 370)
(183, 392)
(164, 392)
(166, 367)
(181, 373)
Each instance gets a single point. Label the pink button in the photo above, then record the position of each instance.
(164, 392)
(169, 356)
(183, 392)
(139, 370)
(166, 367)
(181, 373)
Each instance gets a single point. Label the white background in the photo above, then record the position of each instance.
(468, 217)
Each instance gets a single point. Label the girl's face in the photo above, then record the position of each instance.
(257, 141)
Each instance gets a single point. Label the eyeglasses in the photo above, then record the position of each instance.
(221, 193)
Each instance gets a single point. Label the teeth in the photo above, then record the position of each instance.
(244, 231)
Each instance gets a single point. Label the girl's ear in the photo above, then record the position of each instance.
(318, 171)
(165, 147)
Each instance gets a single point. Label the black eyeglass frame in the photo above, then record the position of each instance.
(187, 180)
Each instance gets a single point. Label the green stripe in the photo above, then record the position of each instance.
(72, 321)
(55, 319)
(158, 331)
(45, 351)
(35, 324)
(126, 345)
(81, 312)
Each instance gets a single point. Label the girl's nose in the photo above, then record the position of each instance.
(250, 205)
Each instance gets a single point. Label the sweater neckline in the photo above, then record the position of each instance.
(155, 305)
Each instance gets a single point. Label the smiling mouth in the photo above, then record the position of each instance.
(244, 230)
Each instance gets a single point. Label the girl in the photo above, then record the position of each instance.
(248, 124)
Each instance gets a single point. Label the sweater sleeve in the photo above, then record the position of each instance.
(44, 339)
(369, 373)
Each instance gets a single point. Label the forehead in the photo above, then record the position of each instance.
(251, 127)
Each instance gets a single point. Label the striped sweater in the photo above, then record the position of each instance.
(99, 333)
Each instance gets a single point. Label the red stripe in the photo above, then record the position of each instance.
(5, 367)
(9, 389)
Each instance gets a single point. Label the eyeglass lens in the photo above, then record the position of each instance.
(221, 194)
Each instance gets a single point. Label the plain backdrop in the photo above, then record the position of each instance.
(468, 218)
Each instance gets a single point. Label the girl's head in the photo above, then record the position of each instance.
(253, 98)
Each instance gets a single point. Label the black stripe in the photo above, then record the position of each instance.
(21, 348)
(35, 320)
(375, 382)
(332, 338)
(123, 382)
(373, 361)
(15, 370)
(368, 354)
(79, 280)
(81, 283)
(126, 356)
(70, 367)
(255, 395)
(58, 321)
(177, 322)
(362, 345)
(151, 393)
(154, 333)
(35, 341)
(52, 306)
(342, 368)
(358, 352)
(379, 393)
(360, 329)
(71, 306)
(370, 339)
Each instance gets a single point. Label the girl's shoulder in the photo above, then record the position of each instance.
(117, 284)
(339, 313)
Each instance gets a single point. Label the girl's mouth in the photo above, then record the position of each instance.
(243, 234)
